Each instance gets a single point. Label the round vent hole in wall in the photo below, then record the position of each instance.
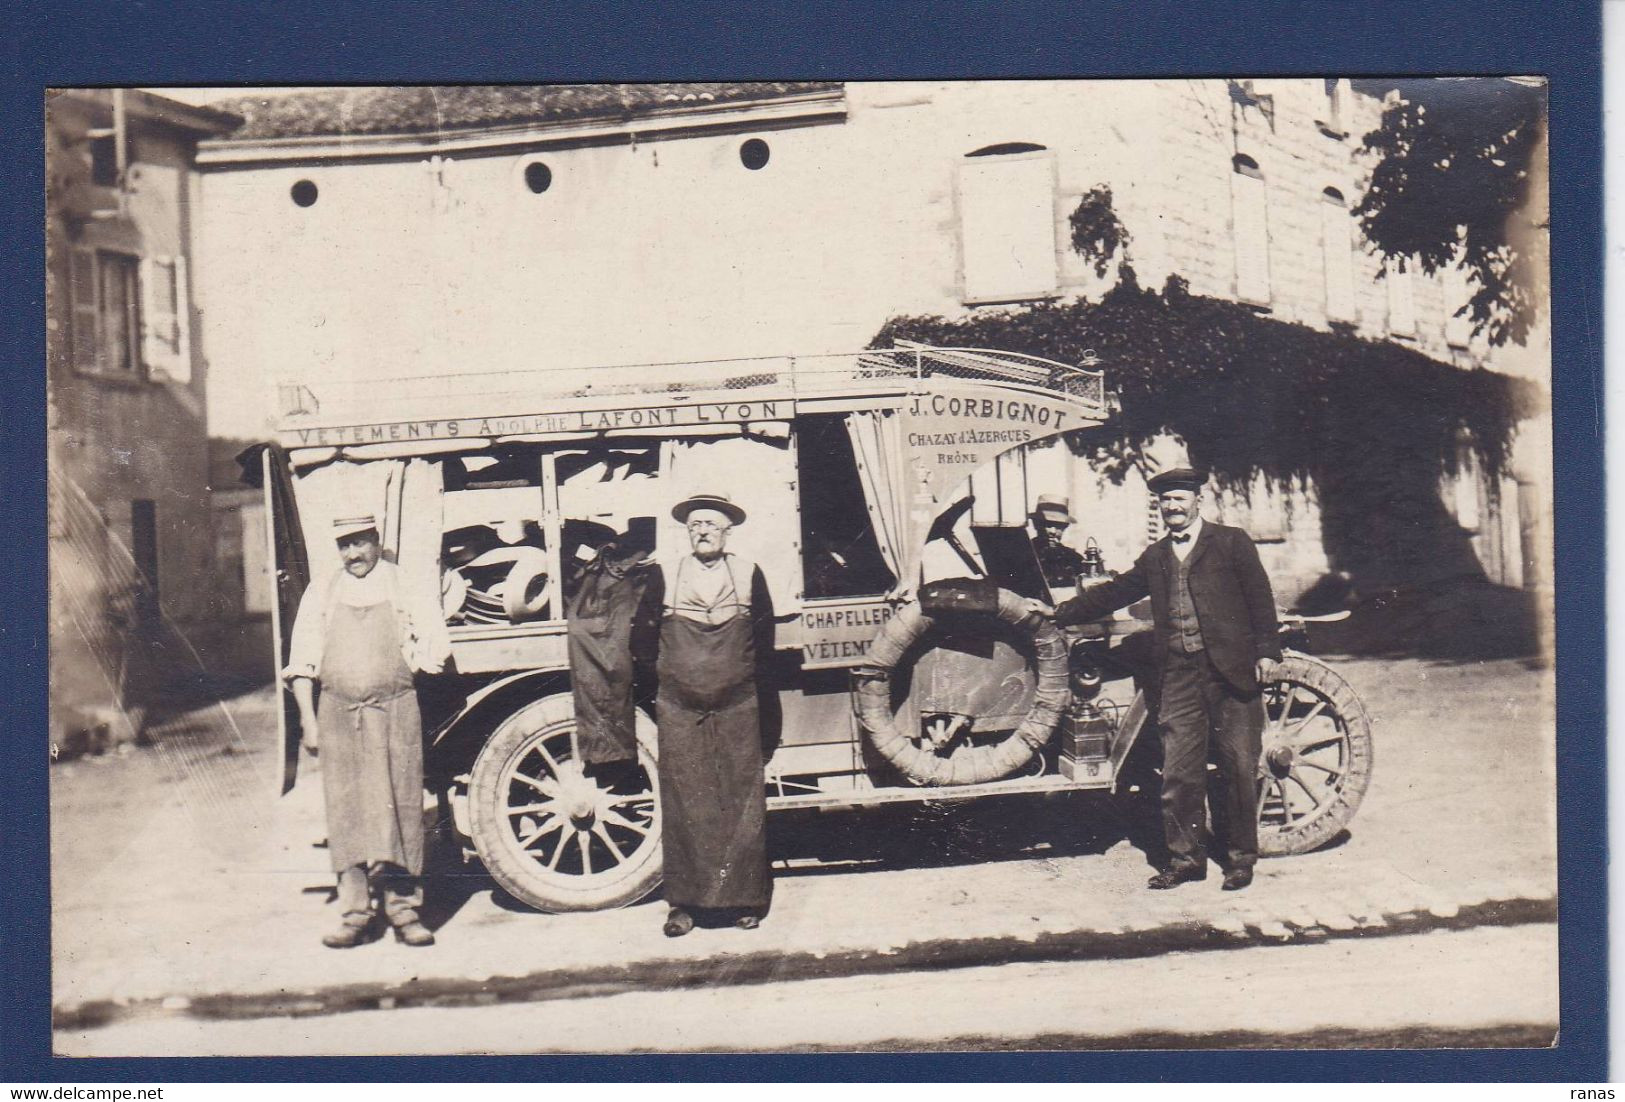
(538, 177)
(754, 153)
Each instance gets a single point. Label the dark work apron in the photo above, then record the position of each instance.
(713, 805)
(600, 634)
(372, 742)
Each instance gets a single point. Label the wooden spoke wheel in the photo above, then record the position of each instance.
(1317, 757)
(559, 834)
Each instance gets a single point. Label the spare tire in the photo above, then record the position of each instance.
(967, 764)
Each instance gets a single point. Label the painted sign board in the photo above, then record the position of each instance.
(838, 634)
(954, 430)
(573, 421)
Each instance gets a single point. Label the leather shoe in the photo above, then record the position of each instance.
(678, 923)
(414, 934)
(747, 922)
(1237, 879)
(1176, 875)
(349, 935)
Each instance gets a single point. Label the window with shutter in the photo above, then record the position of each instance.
(1401, 302)
(107, 336)
(1007, 226)
(1250, 222)
(1337, 243)
(1458, 328)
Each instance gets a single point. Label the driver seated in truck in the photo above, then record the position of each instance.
(707, 617)
(1051, 517)
(362, 634)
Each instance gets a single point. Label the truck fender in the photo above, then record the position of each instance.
(457, 741)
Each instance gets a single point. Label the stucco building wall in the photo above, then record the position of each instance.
(659, 245)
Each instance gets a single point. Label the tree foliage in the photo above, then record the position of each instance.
(1455, 162)
(1372, 425)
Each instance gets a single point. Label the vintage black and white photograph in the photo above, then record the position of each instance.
(801, 566)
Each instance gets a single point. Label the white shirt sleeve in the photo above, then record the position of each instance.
(309, 631)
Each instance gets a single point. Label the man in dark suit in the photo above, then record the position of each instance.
(1217, 640)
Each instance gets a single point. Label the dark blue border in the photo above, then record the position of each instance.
(316, 41)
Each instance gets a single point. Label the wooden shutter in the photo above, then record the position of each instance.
(180, 369)
(1007, 227)
(1334, 96)
(1466, 490)
(1458, 328)
(1401, 303)
(162, 313)
(1251, 223)
(82, 292)
(1338, 245)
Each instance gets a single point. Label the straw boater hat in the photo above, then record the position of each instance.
(1177, 478)
(351, 526)
(1053, 507)
(719, 502)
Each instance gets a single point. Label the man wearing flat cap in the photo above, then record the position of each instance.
(708, 619)
(1061, 565)
(1217, 640)
(361, 635)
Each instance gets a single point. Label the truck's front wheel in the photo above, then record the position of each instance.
(556, 833)
(1316, 764)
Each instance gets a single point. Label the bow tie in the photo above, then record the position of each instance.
(1181, 537)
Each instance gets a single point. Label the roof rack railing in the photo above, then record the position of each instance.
(796, 375)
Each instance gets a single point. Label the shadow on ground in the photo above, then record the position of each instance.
(903, 836)
(1465, 619)
(961, 832)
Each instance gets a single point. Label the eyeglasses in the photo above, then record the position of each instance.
(707, 525)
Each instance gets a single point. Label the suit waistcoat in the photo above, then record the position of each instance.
(1185, 632)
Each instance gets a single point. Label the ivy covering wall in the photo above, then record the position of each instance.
(1371, 426)
(1248, 393)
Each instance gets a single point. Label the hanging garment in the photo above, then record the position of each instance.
(600, 631)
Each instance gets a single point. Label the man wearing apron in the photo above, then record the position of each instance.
(362, 637)
(711, 618)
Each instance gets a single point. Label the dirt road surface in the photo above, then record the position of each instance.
(185, 895)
